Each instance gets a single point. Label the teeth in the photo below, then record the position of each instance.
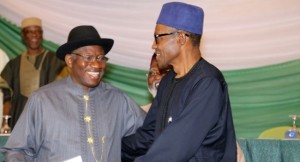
(157, 54)
(93, 73)
(34, 40)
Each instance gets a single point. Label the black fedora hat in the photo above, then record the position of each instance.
(83, 36)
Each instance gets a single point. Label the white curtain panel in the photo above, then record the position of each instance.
(237, 34)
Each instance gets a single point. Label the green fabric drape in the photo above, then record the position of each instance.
(261, 98)
(264, 97)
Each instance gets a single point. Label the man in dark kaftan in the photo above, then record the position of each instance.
(190, 118)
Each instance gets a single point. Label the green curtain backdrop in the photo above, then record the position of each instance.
(264, 97)
(132, 81)
(261, 97)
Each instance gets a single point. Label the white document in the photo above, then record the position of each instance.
(75, 159)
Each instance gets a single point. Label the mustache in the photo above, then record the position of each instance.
(95, 69)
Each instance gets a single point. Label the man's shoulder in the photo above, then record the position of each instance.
(57, 85)
(16, 59)
(52, 61)
(50, 53)
(108, 86)
(207, 69)
(112, 90)
(13, 63)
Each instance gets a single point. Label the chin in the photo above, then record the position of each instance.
(152, 91)
(93, 84)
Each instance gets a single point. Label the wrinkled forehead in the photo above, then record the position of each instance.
(33, 27)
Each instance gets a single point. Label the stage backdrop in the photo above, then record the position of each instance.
(256, 44)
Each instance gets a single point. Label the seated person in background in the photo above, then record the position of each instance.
(79, 117)
(5, 100)
(6, 104)
(3, 59)
(154, 76)
(32, 69)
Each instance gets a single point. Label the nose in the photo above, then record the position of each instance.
(154, 45)
(97, 64)
(157, 77)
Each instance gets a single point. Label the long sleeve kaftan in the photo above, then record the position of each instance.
(189, 121)
(52, 126)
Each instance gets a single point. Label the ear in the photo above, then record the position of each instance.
(68, 60)
(23, 34)
(182, 38)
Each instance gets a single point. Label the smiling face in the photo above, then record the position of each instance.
(33, 37)
(87, 74)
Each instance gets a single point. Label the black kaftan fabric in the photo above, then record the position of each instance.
(190, 120)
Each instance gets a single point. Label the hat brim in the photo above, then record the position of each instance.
(67, 48)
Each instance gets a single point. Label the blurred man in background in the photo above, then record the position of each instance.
(32, 69)
(154, 76)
